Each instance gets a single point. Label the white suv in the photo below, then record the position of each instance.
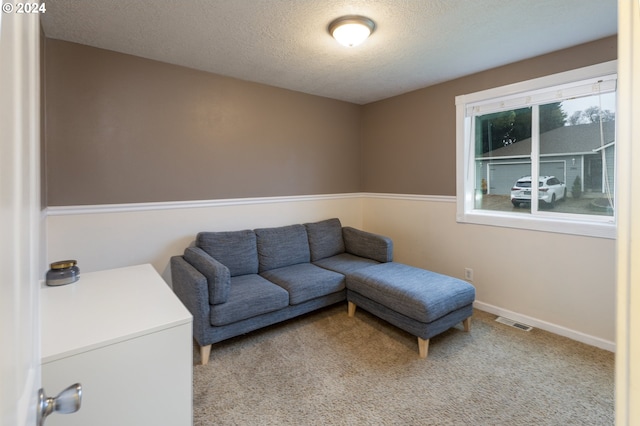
(550, 190)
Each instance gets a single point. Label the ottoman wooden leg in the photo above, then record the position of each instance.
(467, 324)
(423, 347)
(352, 309)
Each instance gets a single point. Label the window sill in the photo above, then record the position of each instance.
(540, 223)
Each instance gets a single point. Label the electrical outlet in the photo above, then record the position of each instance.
(468, 274)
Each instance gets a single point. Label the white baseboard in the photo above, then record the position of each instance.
(543, 325)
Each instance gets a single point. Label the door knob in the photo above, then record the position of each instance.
(67, 401)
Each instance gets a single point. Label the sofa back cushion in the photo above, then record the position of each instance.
(325, 238)
(282, 246)
(236, 250)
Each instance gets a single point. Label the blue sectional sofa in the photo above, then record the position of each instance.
(239, 281)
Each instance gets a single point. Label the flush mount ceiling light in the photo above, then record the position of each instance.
(351, 30)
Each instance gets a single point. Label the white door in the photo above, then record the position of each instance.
(628, 210)
(20, 218)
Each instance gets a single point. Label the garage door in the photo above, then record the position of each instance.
(553, 168)
(502, 176)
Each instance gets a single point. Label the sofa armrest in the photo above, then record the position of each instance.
(193, 291)
(217, 275)
(366, 244)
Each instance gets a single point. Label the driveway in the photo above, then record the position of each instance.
(583, 205)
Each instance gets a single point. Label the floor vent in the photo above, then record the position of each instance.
(514, 324)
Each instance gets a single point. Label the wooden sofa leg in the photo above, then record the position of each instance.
(205, 351)
(352, 309)
(467, 324)
(423, 347)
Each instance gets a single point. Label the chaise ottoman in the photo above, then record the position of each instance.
(421, 302)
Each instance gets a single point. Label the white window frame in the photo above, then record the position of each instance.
(513, 96)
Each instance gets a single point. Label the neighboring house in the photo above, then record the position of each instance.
(565, 152)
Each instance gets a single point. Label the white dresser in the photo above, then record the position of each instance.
(125, 336)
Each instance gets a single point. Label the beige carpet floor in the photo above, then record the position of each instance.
(328, 369)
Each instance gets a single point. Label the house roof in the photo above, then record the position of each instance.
(578, 139)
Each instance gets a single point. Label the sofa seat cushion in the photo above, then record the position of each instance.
(325, 238)
(417, 293)
(234, 249)
(345, 263)
(305, 281)
(282, 246)
(249, 296)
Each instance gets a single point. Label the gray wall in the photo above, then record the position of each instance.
(122, 129)
(409, 141)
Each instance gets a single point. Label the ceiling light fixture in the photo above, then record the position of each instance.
(351, 30)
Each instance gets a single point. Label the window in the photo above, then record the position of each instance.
(558, 131)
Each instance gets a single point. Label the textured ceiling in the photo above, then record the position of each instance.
(285, 43)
